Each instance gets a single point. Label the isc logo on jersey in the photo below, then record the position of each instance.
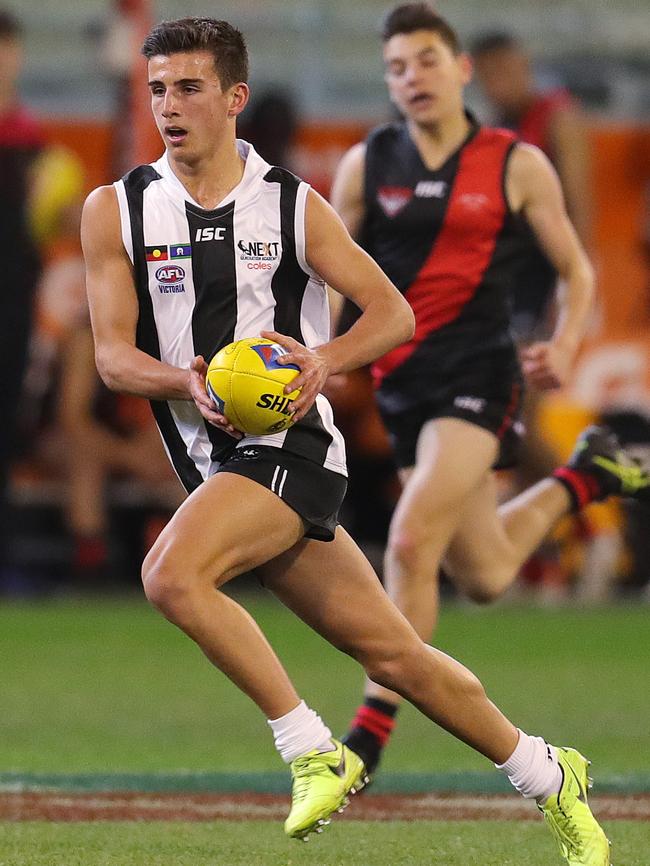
(211, 233)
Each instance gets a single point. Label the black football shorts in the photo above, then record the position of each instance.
(313, 492)
(487, 393)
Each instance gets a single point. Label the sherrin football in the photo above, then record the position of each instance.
(246, 382)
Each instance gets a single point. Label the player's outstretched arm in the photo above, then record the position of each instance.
(534, 190)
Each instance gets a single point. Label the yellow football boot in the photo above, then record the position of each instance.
(567, 813)
(321, 784)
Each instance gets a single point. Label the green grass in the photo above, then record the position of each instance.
(108, 686)
(253, 843)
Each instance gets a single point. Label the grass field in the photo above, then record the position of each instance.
(110, 686)
(107, 687)
(257, 843)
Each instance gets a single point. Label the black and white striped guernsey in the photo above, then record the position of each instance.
(207, 277)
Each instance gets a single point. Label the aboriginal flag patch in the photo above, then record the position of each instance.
(157, 254)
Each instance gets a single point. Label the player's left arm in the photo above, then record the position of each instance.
(533, 189)
(386, 320)
(571, 154)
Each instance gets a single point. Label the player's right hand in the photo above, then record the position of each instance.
(203, 401)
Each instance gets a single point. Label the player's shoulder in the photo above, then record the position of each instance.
(497, 135)
(100, 217)
(530, 173)
(139, 177)
(278, 174)
(353, 160)
(101, 197)
(527, 158)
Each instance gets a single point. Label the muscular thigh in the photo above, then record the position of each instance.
(452, 459)
(229, 525)
(333, 588)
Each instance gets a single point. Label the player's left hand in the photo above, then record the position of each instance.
(546, 365)
(314, 371)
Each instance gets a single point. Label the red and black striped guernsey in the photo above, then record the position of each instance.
(449, 242)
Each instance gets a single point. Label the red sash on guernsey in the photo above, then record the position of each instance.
(461, 253)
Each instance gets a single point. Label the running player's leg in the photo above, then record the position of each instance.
(492, 541)
(339, 595)
(232, 523)
(453, 458)
(229, 525)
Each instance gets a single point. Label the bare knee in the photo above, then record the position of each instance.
(390, 668)
(483, 584)
(405, 548)
(393, 663)
(166, 584)
(416, 672)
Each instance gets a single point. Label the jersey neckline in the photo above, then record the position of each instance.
(474, 127)
(254, 166)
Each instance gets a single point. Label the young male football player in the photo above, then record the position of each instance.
(204, 200)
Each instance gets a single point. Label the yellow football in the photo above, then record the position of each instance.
(246, 383)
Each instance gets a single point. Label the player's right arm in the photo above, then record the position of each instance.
(114, 312)
(347, 199)
(114, 308)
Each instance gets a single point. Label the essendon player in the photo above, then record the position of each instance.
(440, 203)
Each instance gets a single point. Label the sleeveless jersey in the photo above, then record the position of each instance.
(207, 277)
(449, 242)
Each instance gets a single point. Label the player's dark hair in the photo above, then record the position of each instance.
(410, 17)
(10, 27)
(221, 39)
(493, 40)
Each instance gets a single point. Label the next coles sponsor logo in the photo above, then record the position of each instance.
(170, 279)
(259, 255)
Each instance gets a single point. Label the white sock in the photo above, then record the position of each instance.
(533, 768)
(300, 731)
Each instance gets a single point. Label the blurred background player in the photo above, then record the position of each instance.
(21, 142)
(440, 202)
